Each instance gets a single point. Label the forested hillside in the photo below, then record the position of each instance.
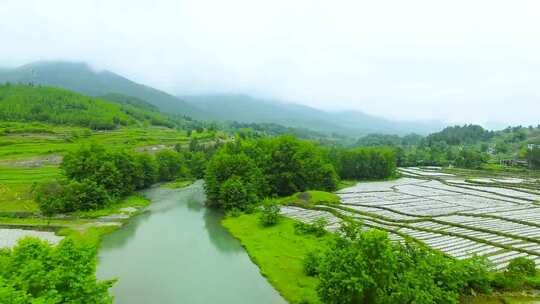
(29, 103)
(80, 78)
(469, 146)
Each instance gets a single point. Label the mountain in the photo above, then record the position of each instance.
(243, 108)
(79, 77)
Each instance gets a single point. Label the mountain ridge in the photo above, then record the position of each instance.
(81, 78)
(248, 109)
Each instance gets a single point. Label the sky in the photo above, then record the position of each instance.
(456, 61)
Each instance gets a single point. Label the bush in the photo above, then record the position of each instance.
(521, 267)
(317, 228)
(269, 214)
(50, 197)
(366, 267)
(59, 197)
(311, 264)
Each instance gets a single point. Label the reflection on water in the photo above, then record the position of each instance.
(178, 252)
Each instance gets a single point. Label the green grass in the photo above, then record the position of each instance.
(311, 197)
(16, 185)
(136, 200)
(181, 183)
(346, 184)
(279, 253)
(91, 236)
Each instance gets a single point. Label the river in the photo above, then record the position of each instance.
(178, 252)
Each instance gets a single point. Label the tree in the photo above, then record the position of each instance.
(35, 272)
(235, 194)
(147, 171)
(197, 164)
(170, 165)
(84, 195)
(235, 169)
(50, 197)
(95, 163)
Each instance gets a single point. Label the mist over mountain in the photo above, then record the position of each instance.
(81, 78)
(244, 108)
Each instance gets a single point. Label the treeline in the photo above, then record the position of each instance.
(93, 176)
(36, 272)
(245, 171)
(460, 135)
(468, 146)
(367, 267)
(374, 140)
(365, 163)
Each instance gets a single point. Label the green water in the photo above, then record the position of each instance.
(179, 253)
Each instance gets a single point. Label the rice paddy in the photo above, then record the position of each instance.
(496, 217)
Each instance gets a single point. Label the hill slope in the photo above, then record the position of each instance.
(26, 103)
(244, 108)
(80, 78)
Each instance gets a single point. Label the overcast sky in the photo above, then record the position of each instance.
(456, 61)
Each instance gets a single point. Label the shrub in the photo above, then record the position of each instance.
(269, 214)
(521, 266)
(58, 197)
(366, 267)
(311, 264)
(317, 228)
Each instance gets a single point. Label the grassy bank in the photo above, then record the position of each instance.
(279, 253)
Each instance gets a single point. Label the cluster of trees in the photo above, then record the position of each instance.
(373, 140)
(367, 267)
(468, 146)
(365, 163)
(35, 272)
(243, 172)
(95, 176)
(460, 135)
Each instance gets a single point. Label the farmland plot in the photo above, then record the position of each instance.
(443, 212)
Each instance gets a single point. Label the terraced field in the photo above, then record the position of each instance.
(497, 218)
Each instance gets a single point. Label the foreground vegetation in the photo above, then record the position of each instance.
(35, 272)
(365, 266)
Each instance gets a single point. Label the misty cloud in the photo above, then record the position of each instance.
(458, 61)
